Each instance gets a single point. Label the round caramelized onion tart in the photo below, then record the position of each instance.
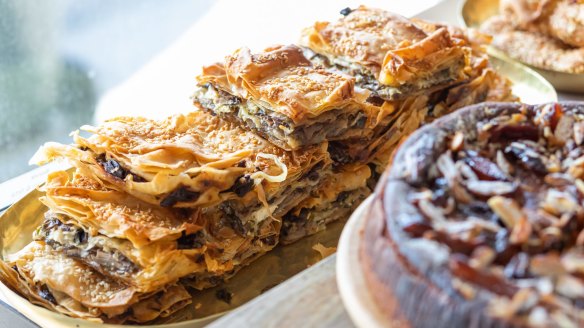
(479, 222)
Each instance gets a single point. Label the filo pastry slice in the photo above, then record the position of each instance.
(284, 97)
(65, 285)
(145, 246)
(484, 82)
(407, 116)
(388, 53)
(192, 160)
(334, 200)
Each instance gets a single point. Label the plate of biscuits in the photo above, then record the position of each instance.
(545, 35)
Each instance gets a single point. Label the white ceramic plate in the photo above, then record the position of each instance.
(358, 302)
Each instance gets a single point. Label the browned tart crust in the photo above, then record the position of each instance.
(480, 221)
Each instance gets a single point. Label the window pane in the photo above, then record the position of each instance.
(57, 58)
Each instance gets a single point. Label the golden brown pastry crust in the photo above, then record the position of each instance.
(484, 83)
(196, 152)
(335, 199)
(409, 63)
(363, 37)
(116, 214)
(282, 96)
(57, 282)
(284, 80)
(393, 49)
(163, 245)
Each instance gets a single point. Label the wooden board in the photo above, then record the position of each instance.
(310, 299)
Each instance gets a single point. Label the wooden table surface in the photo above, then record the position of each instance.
(311, 298)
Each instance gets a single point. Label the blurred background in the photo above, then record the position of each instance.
(58, 57)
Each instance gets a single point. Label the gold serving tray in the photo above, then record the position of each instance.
(528, 85)
(475, 12)
(23, 217)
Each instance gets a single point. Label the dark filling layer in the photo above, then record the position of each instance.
(182, 194)
(232, 220)
(228, 101)
(366, 80)
(341, 154)
(240, 187)
(192, 241)
(280, 130)
(111, 262)
(360, 150)
(235, 214)
(114, 168)
(46, 294)
(297, 224)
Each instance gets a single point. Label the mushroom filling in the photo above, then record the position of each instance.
(278, 128)
(240, 187)
(114, 168)
(303, 221)
(245, 219)
(76, 243)
(441, 78)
